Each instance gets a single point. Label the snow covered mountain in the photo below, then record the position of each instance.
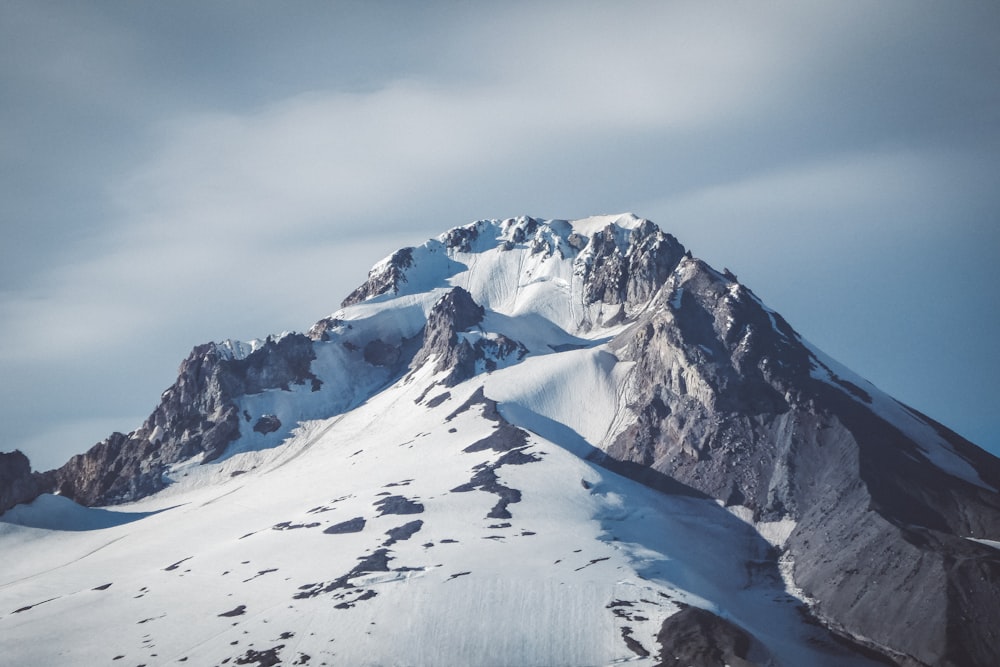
(524, 442)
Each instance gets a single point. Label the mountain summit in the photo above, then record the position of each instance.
(524, 442)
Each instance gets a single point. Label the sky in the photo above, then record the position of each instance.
(183, 172)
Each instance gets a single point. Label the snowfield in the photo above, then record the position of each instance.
(233, 562)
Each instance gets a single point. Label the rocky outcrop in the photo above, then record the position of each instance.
(18, 484)
(197, 416)
(384, 277)
(462, 355)
(452, 313)
(695, 637)
(615, 271)
(727, 400)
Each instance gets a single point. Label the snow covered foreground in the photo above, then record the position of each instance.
(234, 572)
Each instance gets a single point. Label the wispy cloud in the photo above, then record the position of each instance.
(240, 175)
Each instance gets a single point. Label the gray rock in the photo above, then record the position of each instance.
(18, 484)
(384, 278)
(452, 313)
(196, 416)
(694, 637)
(724, 403)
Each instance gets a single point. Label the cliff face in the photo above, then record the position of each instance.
(729, 400)
(197, 416)
(17, 483)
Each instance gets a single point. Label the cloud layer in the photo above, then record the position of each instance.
(175, 174)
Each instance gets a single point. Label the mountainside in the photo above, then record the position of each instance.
(523, 442)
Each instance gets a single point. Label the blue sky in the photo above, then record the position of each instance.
(173, 173)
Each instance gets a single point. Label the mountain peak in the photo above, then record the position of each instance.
(556, 376)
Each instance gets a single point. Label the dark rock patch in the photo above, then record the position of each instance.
(398, 505)
(32, 606)
(267, 424)
(288, 525)
(592, 561)
(367, 595)
(174, 566)
(267, 658)
(633, 644)
(102, 587)
(699, 638)
(485, 479)
(457, 575)
(404, 532)
(438, 400)
(238, 611)
(405, 482)
(505, 438)
(377, 561)
(477, 398)
(355, 525)
(261, 573)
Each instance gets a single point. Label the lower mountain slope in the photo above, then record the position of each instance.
(395, 534)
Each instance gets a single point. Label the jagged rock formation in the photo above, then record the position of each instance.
(17, 483)
(197, 416)
(452, 313)
(875, 510)
(384, 277)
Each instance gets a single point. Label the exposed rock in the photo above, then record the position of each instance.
(398, 505)
(615, 273)
(196, 416)
(267, 424)
(355, 525)
(725, 402)
(453, 312)
(404, 532)
(17, 483)
(384, 277)
(461, 238)
(694, 637)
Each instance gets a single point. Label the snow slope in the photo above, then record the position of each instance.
(236, 568)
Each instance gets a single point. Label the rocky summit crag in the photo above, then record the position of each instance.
(651, 388)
